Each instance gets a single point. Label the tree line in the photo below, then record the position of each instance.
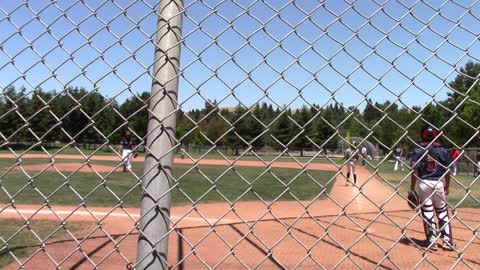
(78, 115)
(73, 115)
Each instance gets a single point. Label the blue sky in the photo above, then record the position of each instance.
(295, 52)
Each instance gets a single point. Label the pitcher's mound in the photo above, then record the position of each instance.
(70, 167)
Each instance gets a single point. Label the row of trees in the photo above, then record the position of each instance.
(86, 116)
(72, 115)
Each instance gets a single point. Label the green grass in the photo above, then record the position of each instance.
(22, 241)
(201, 184)
(7, 163)
(464, 189)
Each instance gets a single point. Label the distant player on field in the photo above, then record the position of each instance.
(127, 144)
(454, 154)
(397, 154)
(351, 155)
(409, 156)
(431, 164)
(365, 154)
(477, 164)
(183, 149)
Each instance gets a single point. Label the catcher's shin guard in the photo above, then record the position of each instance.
(354, 178)
(348, 176)
(428, 218)
(444, 224)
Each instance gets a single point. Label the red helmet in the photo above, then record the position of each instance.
(429, 133)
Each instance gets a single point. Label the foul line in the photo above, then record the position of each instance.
(101, 215)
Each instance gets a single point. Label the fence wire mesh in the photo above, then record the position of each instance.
(262, 134)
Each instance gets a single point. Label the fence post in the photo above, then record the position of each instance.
(155, 211)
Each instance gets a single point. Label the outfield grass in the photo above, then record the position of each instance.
(22, 243)
(201, 184)
(464, 189)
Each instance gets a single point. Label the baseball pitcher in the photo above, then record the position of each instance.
(430, 164)
(351, 155)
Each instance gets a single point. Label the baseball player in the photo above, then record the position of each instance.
(351, 155)
(409, 156)
(397, 154)
(454, 154)
(477, 167)
(127, 144)
(430, 165)
(365, 154)
(183, 149)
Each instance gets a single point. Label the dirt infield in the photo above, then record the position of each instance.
(355, 227)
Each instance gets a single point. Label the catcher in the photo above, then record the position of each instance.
(127, 144)
(430, 164)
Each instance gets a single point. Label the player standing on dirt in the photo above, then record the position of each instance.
(351, 155)
(430, 165)
(365, 154)
(397, 154)
(127, 144)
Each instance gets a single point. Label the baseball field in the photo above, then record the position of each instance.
(102, 183)
(464, 189)
(285, 215)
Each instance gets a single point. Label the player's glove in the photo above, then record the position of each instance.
(412, 199)
(135, 155)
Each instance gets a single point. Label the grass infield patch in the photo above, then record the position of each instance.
(204, 183)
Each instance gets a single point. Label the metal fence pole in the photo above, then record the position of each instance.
(155, 211)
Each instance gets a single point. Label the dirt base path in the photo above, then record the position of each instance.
(357, 226)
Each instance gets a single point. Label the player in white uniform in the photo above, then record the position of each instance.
(431, 164)
(365, 154)
(477, 167)
(351, 155)
(127, 145)
(397, 154)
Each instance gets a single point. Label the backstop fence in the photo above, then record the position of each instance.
(283, 84)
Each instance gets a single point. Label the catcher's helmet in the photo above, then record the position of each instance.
(429, 133)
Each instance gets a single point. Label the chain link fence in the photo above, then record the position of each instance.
(239, 114)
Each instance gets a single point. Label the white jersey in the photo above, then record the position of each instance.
(351, 154)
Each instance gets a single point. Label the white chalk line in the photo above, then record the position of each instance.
(109, 214)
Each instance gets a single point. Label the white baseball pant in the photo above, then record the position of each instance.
(127, 158)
